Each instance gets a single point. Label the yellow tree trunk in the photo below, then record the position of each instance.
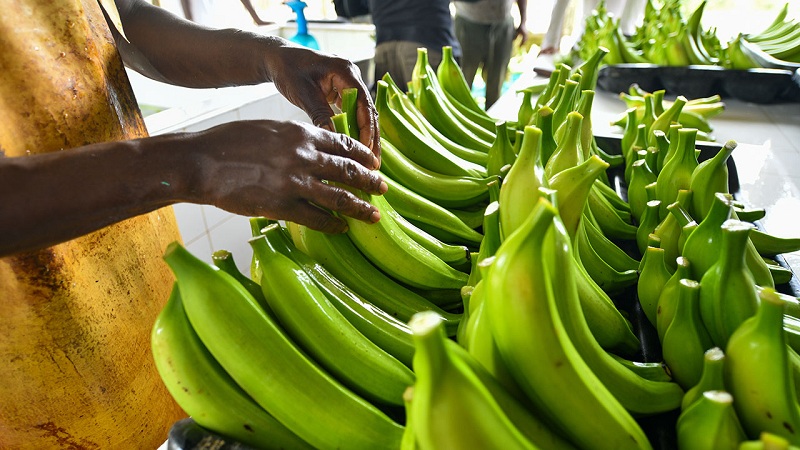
(75, 364)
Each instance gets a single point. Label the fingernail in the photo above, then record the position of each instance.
(376, 163)
(375, 216)
(383, 187)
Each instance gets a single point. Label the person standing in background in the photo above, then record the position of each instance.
(630, 13)
(486, 32)
(403, 26)
(219, 14)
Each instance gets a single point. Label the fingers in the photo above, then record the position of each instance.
(340, 169)
(316, 212)
(368, 128)
(344, 202)
(346, 147)
(316, 218)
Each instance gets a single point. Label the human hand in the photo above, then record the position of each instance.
(313, 81)
(523, 33)
(280, 170)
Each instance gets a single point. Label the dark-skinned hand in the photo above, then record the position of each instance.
(313, 81)
(282, 170)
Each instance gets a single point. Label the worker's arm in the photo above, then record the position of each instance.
(171, 49)
(248, 5)
(253, 168)
(522, 29)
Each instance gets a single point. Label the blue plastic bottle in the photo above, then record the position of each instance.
(302, 37)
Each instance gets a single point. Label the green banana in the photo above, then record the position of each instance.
(452, 254)
(414, 206)
(444, 190)
(520, 187)
(431, 107)
(314, 323)
(482, 347)
(666, 118)
(771, 245)
(472, 217)
(550, 88)
(568, 152)
(501, 152)
(748, 214)
(403, 105)
(728, 295)
(641, 176)
(544, 120)
(758, 374)
(611, 329)
(614, 159)
(382, 328)
(638, 395)
(736, 58)
(525, 111)
(610, 252)
(204, 390)
(418, 147)
(388, 247)
(453, 82)
(669, 294)
(780, 274)
(670, 230)
(691, 118)
(522, 311)
(534, 428)
(708, 178)
(686, 338)
(223, 259)
(711, 379)
(777, 23)
(338, 254)
(767, 441)
(422, 74)
(792, 302)
(450, 407)
(572, 188)
(653, 275)
(647, 225)
(409, 440)
(711, 422)
(693, 53)
(615, 224)
(590, 68)
(612, 195)
(628, 53)
(653, 371)
(610, 280)
(230, 328)
(629, 132)
(566, 104)
(677, 171)
(685, 221)
(702, 246)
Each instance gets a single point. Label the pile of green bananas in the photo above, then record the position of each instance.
(482, 311)
(667, 38)
(696, 113)
(781, 39)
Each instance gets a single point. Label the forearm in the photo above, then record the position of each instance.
(523, 11)
(51, 198)
(186, 54)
